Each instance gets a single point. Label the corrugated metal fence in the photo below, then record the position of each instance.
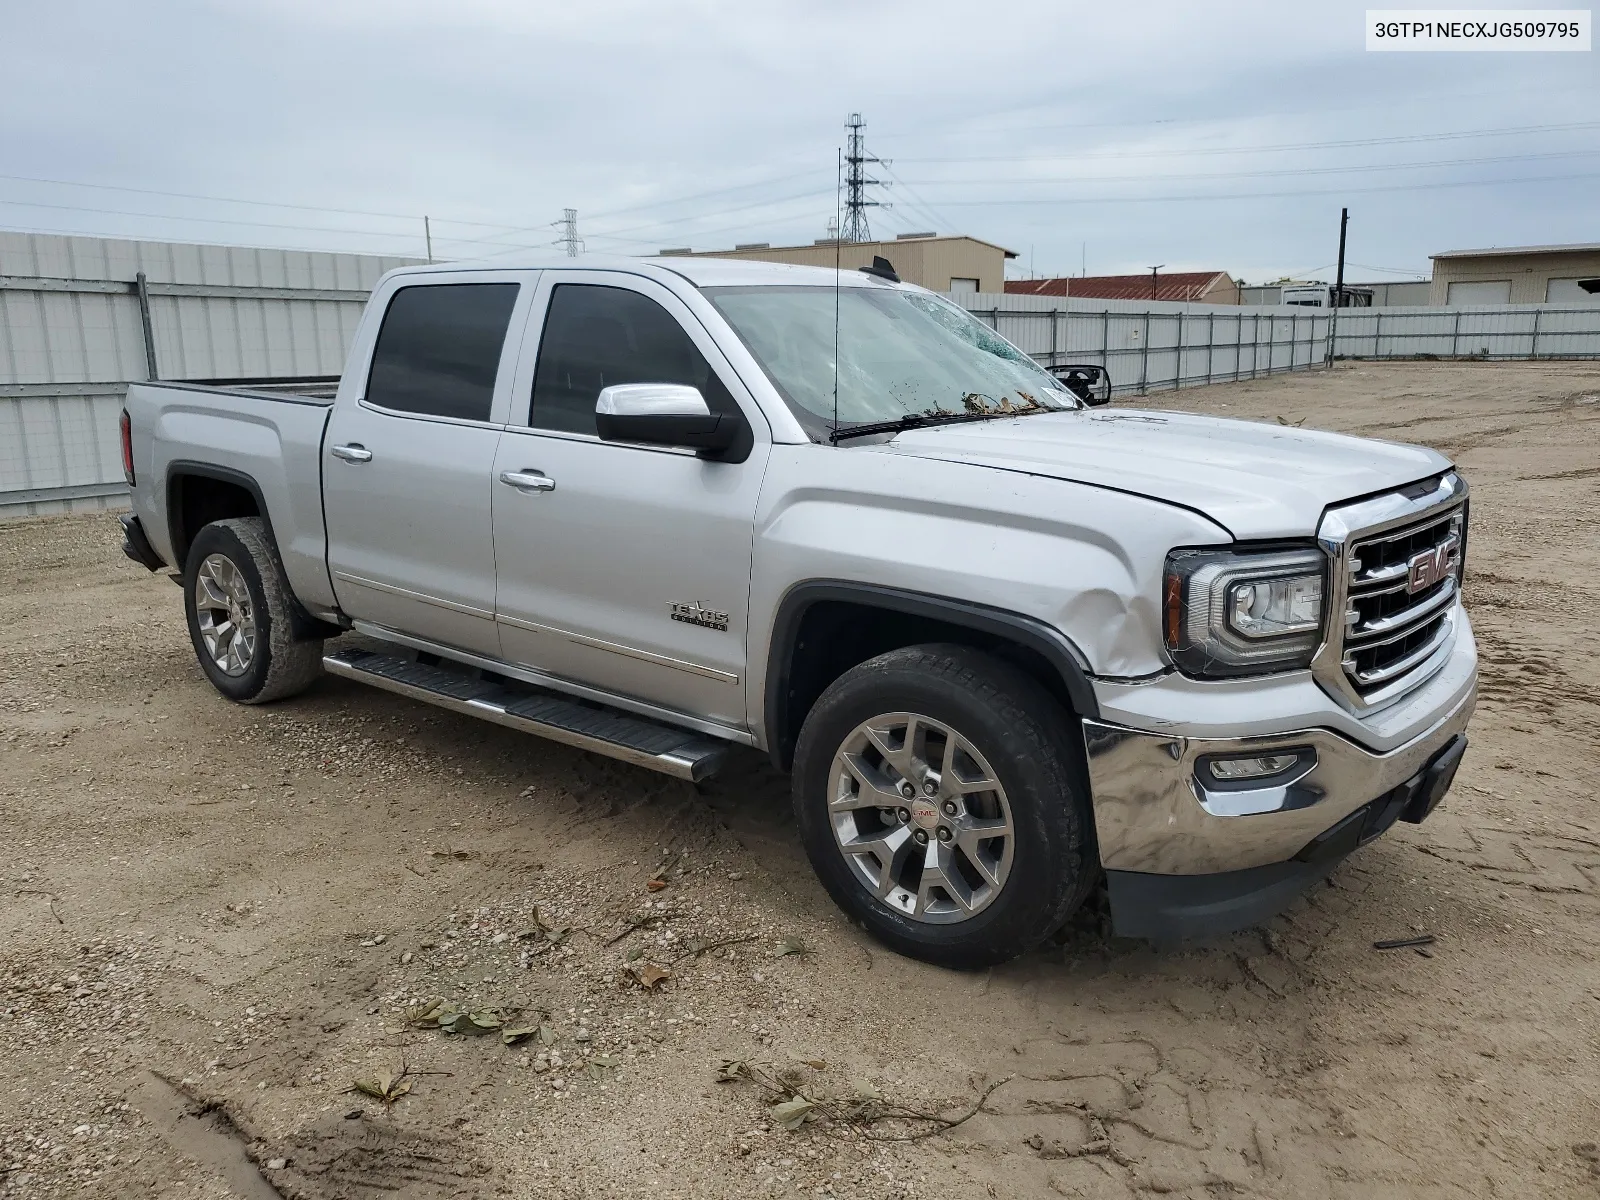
(1148, 346)
(1151, 346)
(76, 327)
(1521, 331)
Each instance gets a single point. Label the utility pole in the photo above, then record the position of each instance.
(569, 239)
(856, 183)
(427, 234)
(1153, 271)
(1338, 285)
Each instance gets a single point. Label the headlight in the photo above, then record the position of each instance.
(1230, 613)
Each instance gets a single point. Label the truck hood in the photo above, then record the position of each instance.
(1255, 480)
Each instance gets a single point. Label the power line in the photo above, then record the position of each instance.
(701, 233)
(945, 131)
(921, 205)
(200, 242)
(113, 187)
(120, 212)
(1291, 171)
(504, 228)
(600, 216)
(1408, 187)
(1347, 142)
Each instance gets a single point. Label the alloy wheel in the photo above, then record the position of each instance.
(921, 818)
(226, 616)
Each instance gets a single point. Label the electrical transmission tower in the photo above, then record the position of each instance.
(569, 239)
(856, 184)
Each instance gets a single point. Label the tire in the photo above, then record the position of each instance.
(1016, 736)
(234, 563)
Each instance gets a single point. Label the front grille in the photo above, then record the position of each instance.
(1401, 586)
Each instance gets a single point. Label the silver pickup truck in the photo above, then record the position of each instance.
(1009, 642)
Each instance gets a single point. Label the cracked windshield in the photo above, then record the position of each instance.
(901, 354)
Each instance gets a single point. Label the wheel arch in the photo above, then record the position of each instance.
(199, 493)
(825, 627)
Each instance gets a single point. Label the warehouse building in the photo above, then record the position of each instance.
(1517, 275)
(942, 264)
(1192, 287)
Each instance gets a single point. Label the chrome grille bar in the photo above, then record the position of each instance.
(1382, 675)
(1405, 619)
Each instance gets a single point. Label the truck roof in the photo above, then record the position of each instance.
(702, 272)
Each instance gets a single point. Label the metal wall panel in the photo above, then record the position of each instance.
(71, 339)
(1521, 331)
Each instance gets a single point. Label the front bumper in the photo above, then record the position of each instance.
(1213, 857)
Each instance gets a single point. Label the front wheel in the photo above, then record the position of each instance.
(238, 604)
(940, 798)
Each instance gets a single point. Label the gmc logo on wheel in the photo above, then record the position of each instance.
(1431, 567)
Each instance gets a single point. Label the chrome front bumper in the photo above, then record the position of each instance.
(1156, 812)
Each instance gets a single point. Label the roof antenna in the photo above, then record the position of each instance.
(838, 251)
(882, 268)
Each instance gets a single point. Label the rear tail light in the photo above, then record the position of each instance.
(127, 448)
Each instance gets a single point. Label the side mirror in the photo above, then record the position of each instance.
(663, 414)
(1087, 382)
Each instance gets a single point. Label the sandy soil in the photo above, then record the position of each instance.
(214, 919)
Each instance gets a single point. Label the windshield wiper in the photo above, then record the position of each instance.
(923, 420)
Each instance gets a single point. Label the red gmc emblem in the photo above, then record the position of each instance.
(1431, 567)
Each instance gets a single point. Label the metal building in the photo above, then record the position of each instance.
(1517, 275)
(957, 264)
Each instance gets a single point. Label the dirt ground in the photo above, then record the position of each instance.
(214, 919)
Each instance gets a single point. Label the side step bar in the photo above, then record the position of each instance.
(681, 753)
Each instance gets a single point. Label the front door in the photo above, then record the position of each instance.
(625, 567)
(406, 467)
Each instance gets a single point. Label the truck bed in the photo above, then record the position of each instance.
(266, 435)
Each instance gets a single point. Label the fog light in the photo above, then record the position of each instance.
(1233, 770)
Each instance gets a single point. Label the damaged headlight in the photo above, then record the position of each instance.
(1241, 613)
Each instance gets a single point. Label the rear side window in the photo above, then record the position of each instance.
(597, 336)
(439, 349)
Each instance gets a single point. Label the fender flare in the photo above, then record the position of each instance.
(305, 626)
(1029, 632)
(176, 470)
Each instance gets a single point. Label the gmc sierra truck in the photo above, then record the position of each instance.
(1008, 641)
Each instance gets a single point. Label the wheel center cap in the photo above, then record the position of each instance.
(925, 813)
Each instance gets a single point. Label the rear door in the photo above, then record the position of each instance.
(406, 462)
(628, 568)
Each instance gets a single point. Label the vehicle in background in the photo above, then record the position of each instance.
(1321, 295)
(1008, 643)
(1089, 382)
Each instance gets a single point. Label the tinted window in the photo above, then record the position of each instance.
(597, 336)
(439, 349)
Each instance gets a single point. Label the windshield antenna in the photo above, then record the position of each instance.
(838, 250)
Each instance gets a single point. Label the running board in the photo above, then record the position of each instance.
(681, 753)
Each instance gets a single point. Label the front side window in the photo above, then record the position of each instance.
(596, 336)
(899, 354)
(438, 350)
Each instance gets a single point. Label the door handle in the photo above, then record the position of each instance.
(528, 481)
(355, 452)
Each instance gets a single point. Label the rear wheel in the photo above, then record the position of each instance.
(939, 794)
(238, 605)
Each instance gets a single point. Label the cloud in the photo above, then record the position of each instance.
(1141, 130)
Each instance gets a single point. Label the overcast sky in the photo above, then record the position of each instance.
(1112, 135)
